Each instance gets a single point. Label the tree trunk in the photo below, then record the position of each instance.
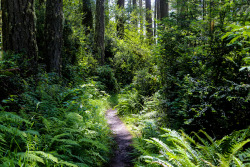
(158, 9)
(149, 19)
(134, 4)
(19, 30)
(120, 22)
(100, 30)
(135, 21)
(155, 17)
(164, 9)
(141, 17)
(87, 16)
(54, 34)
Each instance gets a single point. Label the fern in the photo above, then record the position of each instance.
(177, 150)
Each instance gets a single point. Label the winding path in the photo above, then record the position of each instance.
(123, 139)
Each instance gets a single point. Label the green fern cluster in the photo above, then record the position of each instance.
(55, 126)
(179, 149)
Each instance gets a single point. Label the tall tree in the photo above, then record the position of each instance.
(87, 16)
(158, 9)
(135, 21)
(100, 30)
(149, 19)
(164, 8)
(141, 16)
(19, 29)
(134, 4)
(54, 33)
(120, 19)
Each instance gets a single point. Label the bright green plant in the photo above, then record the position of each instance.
(179, 149)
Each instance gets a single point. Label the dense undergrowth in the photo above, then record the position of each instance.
(54, 125)
(184, 94)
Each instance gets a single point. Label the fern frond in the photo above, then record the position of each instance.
(62, 163)
(223, 161)
(13, 131)
(237, 162)
(238, 146)
(157, 161)
(96, 143)
(160, 144)
(45, 155)
(12, 117)
(30, 157)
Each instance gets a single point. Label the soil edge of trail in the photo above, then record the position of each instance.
(123, 138)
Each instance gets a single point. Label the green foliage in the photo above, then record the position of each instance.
(179, 149)
(55, 126)
(107, 78)
(130, 102)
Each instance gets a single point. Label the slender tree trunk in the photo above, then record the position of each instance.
(19, 30)
(87, 16)
(135, 21)
(100, 30)
(141, 17)
(155, 17)
(203, 9)
(120, 22)
(54, 34)
(149, 19)
(158, 6)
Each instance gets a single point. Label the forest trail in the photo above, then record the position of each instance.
(123, 139)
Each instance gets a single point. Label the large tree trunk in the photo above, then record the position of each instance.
(19, 30)
(164, 9)
(54, 33)
(87, 14)
(120, 22)
(100, 30)
(149, 19)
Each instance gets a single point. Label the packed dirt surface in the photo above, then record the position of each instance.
(123, 139)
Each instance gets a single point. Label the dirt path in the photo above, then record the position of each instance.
(123, 139)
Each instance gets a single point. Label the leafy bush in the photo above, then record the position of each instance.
(107, 78)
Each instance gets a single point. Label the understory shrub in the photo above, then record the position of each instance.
(55, 126)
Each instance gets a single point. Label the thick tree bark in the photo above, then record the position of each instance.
(87, 16)
(149, 19)
(54, 34)
(100, 30)
(120, 22)
(164, 9)
(19, 29)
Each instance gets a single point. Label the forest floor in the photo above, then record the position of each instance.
(123, 138)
